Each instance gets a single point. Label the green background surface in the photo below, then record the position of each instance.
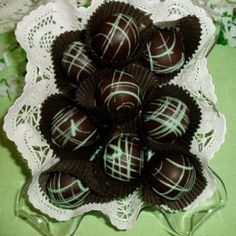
(13, 170)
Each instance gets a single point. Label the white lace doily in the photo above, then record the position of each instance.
(35, 34)
(13, 11)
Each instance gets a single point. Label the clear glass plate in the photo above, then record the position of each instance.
(183, 223)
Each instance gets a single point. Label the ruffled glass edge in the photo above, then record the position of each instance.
(182, 223)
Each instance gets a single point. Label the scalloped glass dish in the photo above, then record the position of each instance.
(180, 223)
(36, 33)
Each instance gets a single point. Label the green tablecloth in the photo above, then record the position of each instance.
(13, 171)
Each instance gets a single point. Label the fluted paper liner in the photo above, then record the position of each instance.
(191, 31)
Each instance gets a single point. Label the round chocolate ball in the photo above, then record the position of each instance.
(164, 52)
(71, 129)
(66, 191)
(119, 92)
(124, 157)
(172, 177)
(77, 65)
(116, 38)
(165, 119)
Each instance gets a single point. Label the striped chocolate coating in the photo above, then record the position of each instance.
(164, 53)
(71, 129)
(119, 91)
(66, 191)
(173, 177)
(76, 63)
(116, 38)
(124, 158)
(166, 118)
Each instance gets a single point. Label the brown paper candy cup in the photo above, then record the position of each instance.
(191, 31)
(146, 79)
(130, 127)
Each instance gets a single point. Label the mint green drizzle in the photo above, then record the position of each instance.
(75, 133)
(120, 87)
(182, 185)
(73, 128)
(155, 59)
(119, 160)
(75, 58)
(174, 121)
(130, 25)
(95, 154)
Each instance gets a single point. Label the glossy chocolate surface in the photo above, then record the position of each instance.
(164, 52)
(173, 176)
(116, 38)
(124, 157)
(166, 118)
(71, 129)
(66, 191)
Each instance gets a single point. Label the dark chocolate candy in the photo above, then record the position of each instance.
(166, 118)
(76, 63)
(172, 177)
(66, 191)
(116, 38)
(124, 157)
(164, 52)
(119, 92)
(71, 129)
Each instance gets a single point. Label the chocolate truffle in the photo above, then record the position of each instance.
(124, 157)
(172, 177)
(66, 191)
(71, 129)
(76, 63)
(164, 52)
(166, 118)
(116, 38)
(118, 91)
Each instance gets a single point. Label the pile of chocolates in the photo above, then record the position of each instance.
(116, 124)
